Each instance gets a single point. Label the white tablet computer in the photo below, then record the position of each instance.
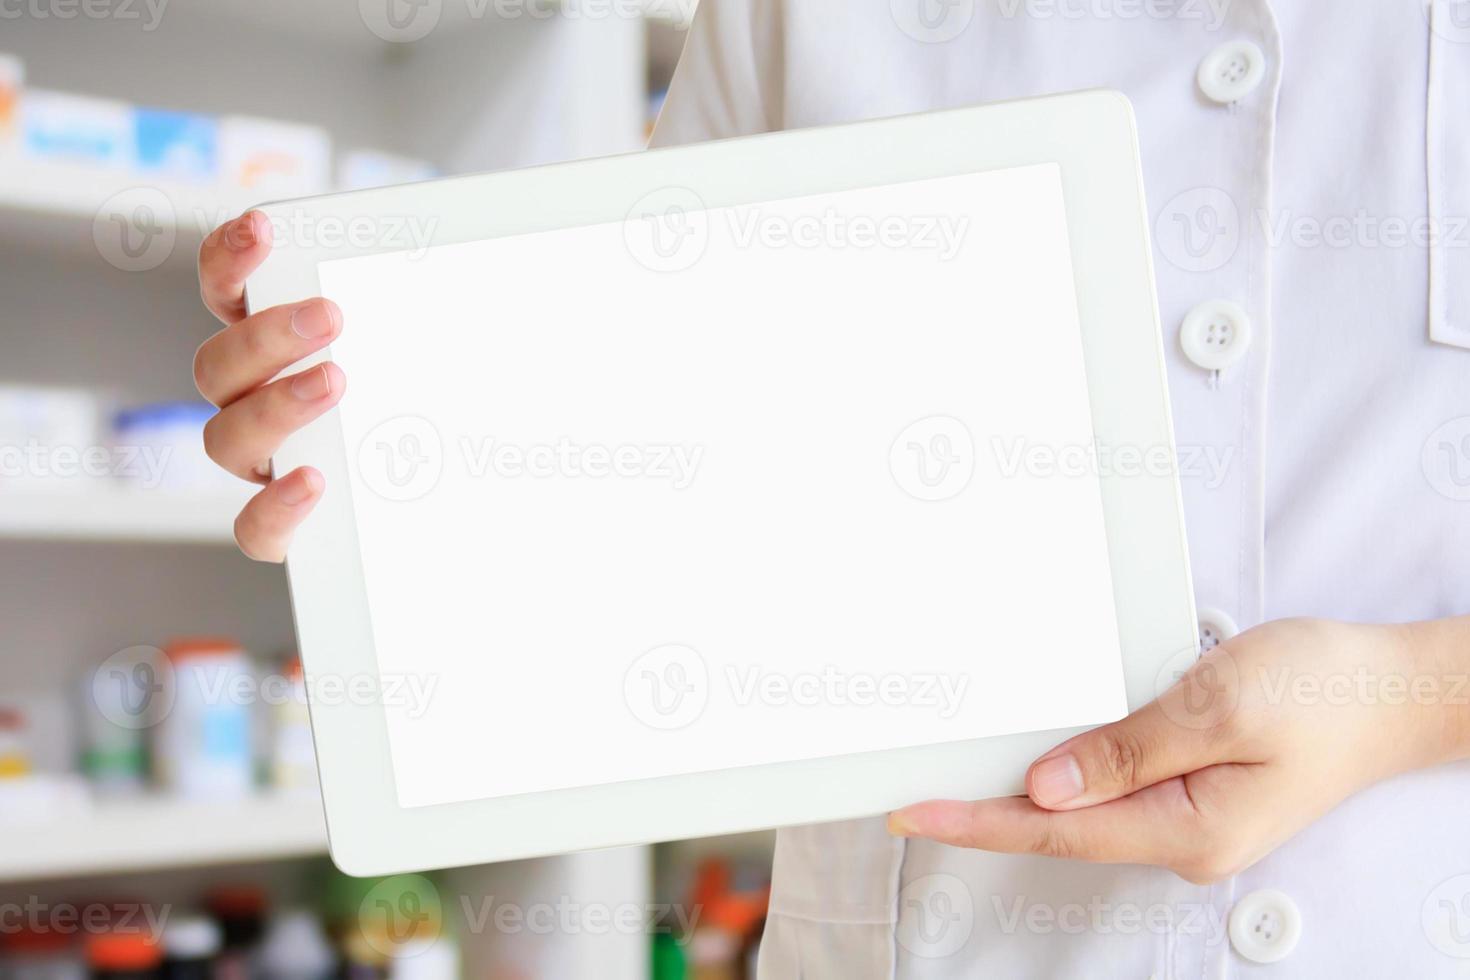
(761, 482)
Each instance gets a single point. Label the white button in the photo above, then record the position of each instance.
(1232, 71)
(1215, 334)
(1265, 926)
(1215, 627)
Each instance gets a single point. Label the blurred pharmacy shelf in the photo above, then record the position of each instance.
(72, 207)
(119, 515)
(91, 304)
(325, 22)
(77, 190)
(158, 833)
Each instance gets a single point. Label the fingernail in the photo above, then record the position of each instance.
(901, 824)
(244, 233)
(1056, 781)
(937, 819)
(296, 490)
(312, 385)
(312, 320)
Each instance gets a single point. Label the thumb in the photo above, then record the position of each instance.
(1118, 760)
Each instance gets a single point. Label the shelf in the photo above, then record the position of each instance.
(80, 190)
(343, 24)
(151, 834)
(120, 515)
(82, 209)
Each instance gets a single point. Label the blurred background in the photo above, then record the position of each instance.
(190, 842)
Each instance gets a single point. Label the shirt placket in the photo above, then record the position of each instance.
(1216, 304)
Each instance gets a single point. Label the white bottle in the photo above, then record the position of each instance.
(296, 948)
(435, 958)
(293, 757)
(191, 941)
(203, 748)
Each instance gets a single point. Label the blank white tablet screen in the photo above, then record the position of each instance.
(727, 487)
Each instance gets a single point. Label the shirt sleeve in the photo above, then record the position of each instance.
(729, 79)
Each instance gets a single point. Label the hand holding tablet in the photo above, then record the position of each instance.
(729, 486)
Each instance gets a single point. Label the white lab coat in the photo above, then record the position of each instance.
(1344, 429)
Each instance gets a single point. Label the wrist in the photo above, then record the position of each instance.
(1438, 656)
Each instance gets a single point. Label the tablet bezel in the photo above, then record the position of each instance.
(1090, 135)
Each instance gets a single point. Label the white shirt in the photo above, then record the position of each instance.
(1307, 200)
